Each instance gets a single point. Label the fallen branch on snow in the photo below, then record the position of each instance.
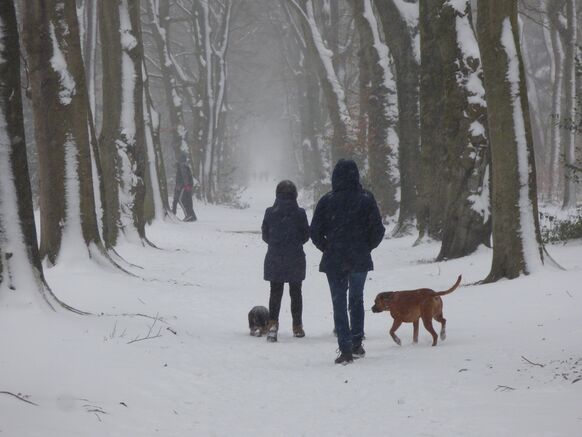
(19, 397)
(531, 362)
(504, 388)
(149, 335)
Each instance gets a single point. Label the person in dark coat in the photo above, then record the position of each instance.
(285, 229)
(184, 191)
(346, 227)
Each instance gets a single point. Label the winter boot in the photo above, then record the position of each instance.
(344, 358)
(358, 351)
(272, 329)
(298, 331)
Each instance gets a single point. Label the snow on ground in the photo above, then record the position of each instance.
(211, 378)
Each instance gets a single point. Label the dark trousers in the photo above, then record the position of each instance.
(296, 301)
(184, 198)
(350, 329)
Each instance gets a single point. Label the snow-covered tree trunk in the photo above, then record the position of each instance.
(555, 158)
(517, 245)
(20, 266)
(156, 197)
(159, 15)
(300, 61)
(122, 141)
(431, 186)
(342, 141)
(400, 26)
(380, 107)
(570, 195)
(87, 16)
(467, 218)
(60, 102)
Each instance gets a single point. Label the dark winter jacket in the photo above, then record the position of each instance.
(184, 178)
(346, 225)
(285, 230)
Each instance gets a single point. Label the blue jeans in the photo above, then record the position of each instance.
(350, 330)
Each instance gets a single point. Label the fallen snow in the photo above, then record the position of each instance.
(212, 379)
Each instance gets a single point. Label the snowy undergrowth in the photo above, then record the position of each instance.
(211, 378)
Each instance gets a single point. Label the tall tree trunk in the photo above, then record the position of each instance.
(380, 107)
(341, 142)
(401, 30)
(60, 102)
(432, 118)
(156, 198)
(160, 27)
(570, 195)
(20, 266)
(517, 245)
(556, 114)
(467, 218)
(123, 149)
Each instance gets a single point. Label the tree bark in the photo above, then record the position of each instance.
(61, 115)
(517, 245)
(467, 218)
(401, 38)
(380, 106)
(122, 140)
(431, 188)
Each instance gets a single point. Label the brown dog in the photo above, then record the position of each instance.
(409, 306)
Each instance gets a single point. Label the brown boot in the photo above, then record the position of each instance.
(272, 329)
(298, 331)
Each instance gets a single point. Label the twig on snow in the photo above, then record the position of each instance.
(149, 335)
(19, 397)
(504, 388)
(531, 362)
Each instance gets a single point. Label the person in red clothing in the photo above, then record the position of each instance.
(184, 191)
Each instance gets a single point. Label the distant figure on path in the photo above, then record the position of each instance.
(346, 227)
(184, 191)
(285, 229)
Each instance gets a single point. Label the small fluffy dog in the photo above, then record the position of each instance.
(258, 320)
(412, 305)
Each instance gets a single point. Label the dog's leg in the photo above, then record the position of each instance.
(439, 318)
(427, 322)
(395, 326)
(415, 331)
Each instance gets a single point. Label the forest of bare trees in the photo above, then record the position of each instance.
(463, 116)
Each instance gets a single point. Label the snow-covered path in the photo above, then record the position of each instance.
(210, 378)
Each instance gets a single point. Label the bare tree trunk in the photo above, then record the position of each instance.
(341, 142)
(20, 266)
(402, 38)
(380, 105)
(556, 115)
(570, 195)
(431, 187)
(467, 218)
(160, 26)
(156, 198)
(67, 204)
(123, 149)
(517, 245)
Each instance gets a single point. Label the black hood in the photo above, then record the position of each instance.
(345, 176)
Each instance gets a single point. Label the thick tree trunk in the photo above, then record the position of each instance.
(341, 142)
(555, 160)
(570, 194)
(467, 218)
(517, 245)
(123, 148)
(402, 38)
(380, 106)
(59, 96)
(431, 187)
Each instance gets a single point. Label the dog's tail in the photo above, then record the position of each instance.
(450, 290)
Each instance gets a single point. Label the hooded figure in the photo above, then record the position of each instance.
(285, 229)
(346, 227)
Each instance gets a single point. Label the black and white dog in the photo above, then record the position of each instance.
(258, 320)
